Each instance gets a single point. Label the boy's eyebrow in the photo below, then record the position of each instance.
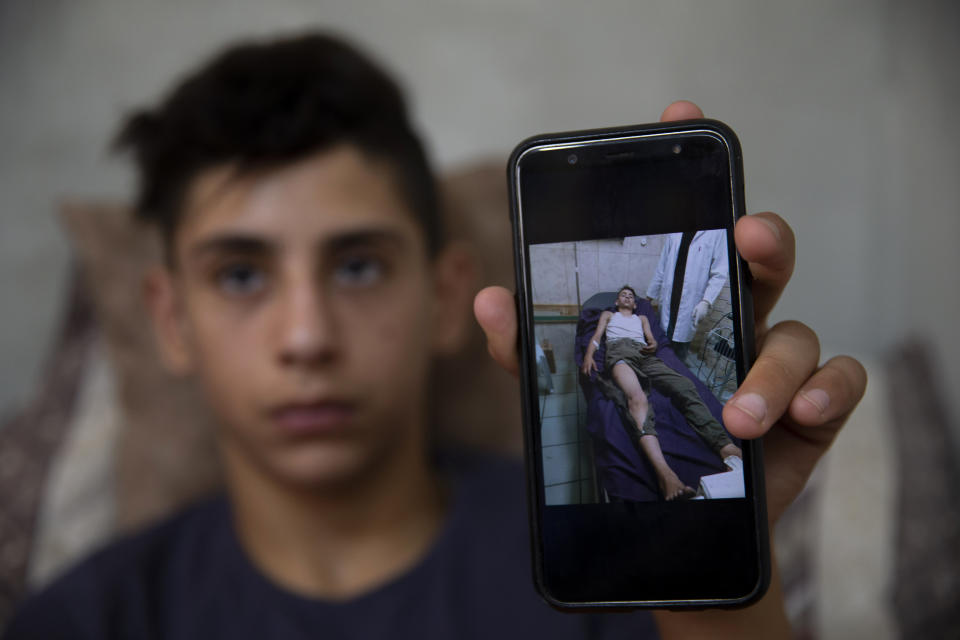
(226, 243)
(361, 237)
(231, 243)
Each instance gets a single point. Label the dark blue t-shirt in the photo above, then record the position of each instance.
(189, 578)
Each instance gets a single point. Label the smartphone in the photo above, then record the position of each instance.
(636, 326)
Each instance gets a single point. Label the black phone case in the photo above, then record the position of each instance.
(533, 462)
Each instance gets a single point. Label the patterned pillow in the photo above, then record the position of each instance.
(30, 440)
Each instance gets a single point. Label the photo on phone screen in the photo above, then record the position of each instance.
(635, 322)
(644, 423)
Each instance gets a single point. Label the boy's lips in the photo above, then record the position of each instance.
(314, 418)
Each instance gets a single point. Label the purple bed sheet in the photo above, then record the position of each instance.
(622, 470)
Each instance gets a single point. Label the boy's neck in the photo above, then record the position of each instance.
(345, 541)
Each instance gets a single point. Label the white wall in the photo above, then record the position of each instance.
(572, 272)
(842, 110)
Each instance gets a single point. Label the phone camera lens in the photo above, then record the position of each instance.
(572, 158)
(677, 148)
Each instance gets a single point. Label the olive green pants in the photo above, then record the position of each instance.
(677, 388)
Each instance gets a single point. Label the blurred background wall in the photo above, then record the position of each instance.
(843, 110)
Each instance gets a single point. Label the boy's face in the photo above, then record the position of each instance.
(626, 299)
(305, 302)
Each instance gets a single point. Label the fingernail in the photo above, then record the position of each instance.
(773, 226)
(753, 405)
(818, 398)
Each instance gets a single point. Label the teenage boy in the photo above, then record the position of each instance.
(305, 287)
(632, 363)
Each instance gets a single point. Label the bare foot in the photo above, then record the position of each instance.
(730, 449)
(671, 487)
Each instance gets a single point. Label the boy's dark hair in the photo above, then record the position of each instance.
(261, 105)
(627, 287)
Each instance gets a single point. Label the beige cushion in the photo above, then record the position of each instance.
(475, 402)
(165, 454)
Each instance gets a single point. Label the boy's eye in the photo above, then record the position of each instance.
(359, 271)
(240, 279)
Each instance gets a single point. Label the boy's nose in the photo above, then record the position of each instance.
(308, 326)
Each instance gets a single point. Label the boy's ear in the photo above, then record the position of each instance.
(164, 303)
(455, 277)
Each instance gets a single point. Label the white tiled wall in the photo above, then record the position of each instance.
(567, 455)
(602, 265)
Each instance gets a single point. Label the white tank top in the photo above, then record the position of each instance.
(621, 327)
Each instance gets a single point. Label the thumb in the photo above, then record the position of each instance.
(496, 312)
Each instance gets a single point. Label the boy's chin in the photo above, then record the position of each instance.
(324, 467)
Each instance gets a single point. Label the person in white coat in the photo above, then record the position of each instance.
(704, 276)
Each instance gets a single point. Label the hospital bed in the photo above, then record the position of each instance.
(622, 471)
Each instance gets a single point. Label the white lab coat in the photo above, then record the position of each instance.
(704, 277)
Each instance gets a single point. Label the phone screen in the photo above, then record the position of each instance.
(633, 306)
